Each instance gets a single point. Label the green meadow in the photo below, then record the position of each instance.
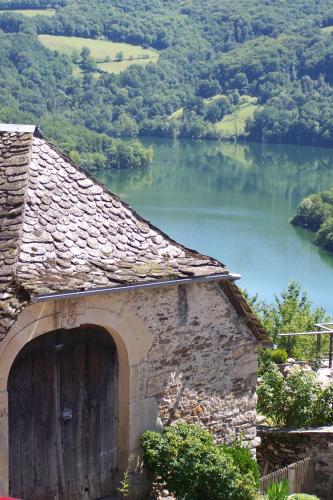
(234, 124)
(102, 51)
(327, 29)
(32, 12)
(119, 66)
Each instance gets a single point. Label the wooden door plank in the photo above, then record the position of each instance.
(15, 451)
(39, 447)
(93, 407)
(79, 424)
(66, 404)
(110, 398)
(27, 427)
(104, 427)
(51, 420)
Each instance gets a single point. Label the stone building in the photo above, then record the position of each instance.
(107, 328)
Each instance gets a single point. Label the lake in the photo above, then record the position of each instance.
(234, 202)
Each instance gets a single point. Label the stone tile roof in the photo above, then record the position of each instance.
(61, 230)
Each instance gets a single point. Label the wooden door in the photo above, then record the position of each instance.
(63, 416)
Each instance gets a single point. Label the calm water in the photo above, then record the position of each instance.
(233, 201)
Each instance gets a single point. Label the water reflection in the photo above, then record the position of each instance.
(285, 171)
(233, 201)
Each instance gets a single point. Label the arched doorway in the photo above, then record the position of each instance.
(63, 416)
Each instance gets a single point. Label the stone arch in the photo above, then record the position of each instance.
(133, 340)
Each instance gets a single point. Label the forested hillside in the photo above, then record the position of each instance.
(267, 63)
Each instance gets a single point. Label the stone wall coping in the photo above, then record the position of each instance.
(262, 429)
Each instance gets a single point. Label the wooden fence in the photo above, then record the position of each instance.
(300, 477)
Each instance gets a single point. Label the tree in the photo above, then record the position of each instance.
(291, 311)
(119, 56)
(85, 53)
(240, 83)
(213, 112)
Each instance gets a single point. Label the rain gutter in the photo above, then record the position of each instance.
(138, 286)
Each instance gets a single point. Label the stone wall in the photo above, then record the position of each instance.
(281, 447)
(202, 364)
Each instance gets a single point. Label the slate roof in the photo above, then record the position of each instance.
(61, 230)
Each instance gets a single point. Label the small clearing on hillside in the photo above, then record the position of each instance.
(327, 29)
(119, 66)
(104, 52)
(32, 12)
(234, 124)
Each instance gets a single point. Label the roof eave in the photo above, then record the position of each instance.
(135, 286)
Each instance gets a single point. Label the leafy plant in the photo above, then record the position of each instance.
(279, 356)
(278, 491)
(243, 460)
(186, 460)
(124, 485)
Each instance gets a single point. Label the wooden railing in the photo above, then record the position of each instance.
(300, 477)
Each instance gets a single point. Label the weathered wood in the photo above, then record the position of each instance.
(70, 458)
(66, 400)
(51, 455)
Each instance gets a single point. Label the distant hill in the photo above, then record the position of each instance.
(278, 53)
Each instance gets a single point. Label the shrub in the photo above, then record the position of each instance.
(294, 401)
(185, 459)
(243, 460)
(279, 356)
(323, 407)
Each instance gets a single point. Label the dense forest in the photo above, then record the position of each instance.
(211, 55)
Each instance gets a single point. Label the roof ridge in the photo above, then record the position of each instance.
(24, 207)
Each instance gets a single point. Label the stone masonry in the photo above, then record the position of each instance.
(202, 365)
(281, 447)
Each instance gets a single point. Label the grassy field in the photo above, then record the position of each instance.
(177, 114)
(234, 124)
(245, 98)
(102, 49)
(31, 13)
(119, 66)
(327, 29)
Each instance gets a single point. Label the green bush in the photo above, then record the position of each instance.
(185, 459)
(294, 401)
(323, 407)
(279, 356)
(243, 460)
